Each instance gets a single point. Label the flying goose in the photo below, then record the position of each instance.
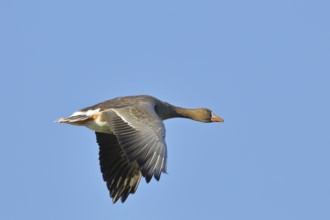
(131, 138)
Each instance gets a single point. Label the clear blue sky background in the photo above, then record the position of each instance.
(262, 65)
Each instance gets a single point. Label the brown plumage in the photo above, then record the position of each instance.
(131, 137)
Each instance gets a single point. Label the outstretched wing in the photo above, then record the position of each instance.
(141, 135)
(122, 177)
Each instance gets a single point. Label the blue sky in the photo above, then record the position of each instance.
(261, 65)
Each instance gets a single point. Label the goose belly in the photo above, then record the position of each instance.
(98, 125)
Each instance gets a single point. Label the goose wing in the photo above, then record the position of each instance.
(141, 135)
(122, 177)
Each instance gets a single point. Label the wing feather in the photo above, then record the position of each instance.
(141, 135)
(122, 177)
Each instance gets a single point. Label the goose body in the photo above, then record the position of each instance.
(131, 137)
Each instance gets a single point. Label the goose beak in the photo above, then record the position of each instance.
(215, 118)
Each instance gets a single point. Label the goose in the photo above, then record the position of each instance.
(131, 137)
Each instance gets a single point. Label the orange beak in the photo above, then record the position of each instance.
(216, 118)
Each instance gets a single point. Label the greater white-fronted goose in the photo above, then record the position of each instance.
(131, 137)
